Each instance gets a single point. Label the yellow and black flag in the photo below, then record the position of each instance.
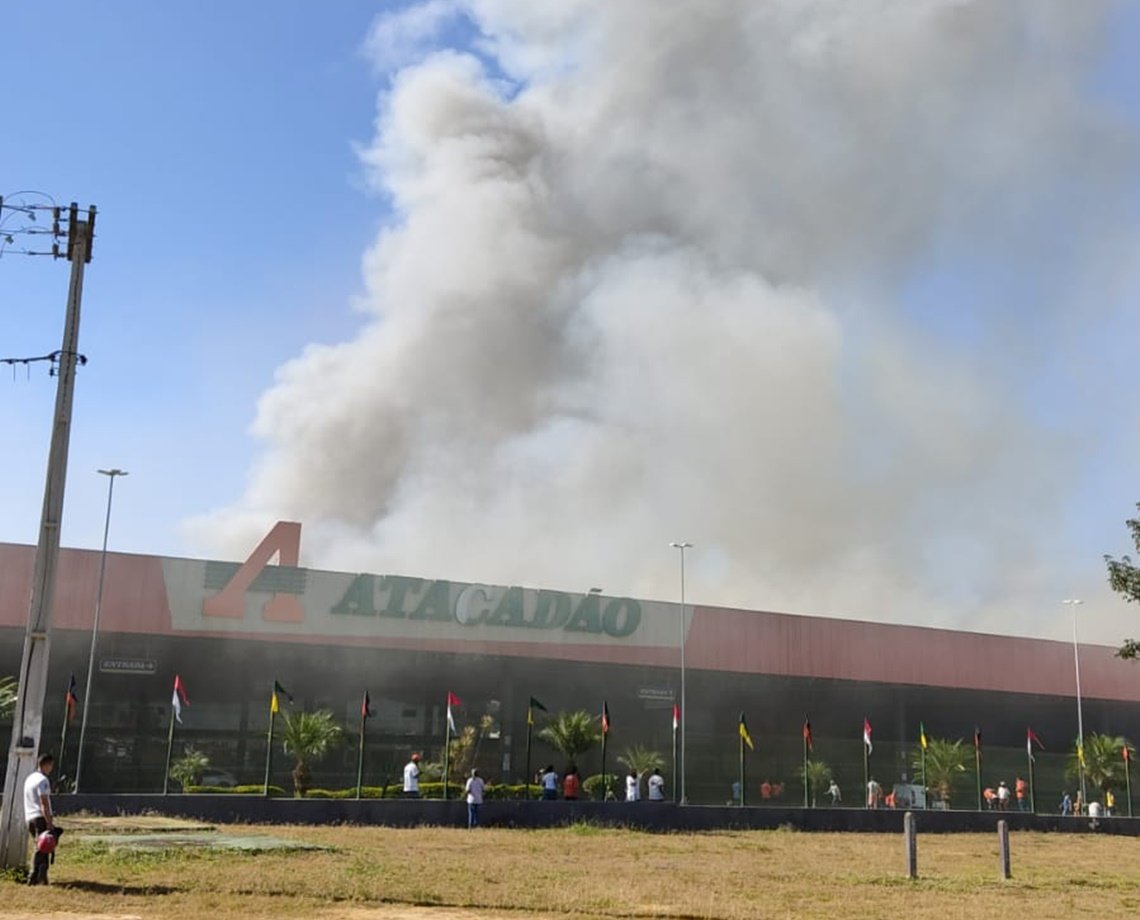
(534, 704)
(744, 736)
(274, 702)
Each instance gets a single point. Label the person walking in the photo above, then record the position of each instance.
(874, 793)
(549, 783)
(656, 786)
(475, 787)
(1066, 804)
(1021, 792)
(412, 778)
(38, 815)
(836, 795)
(1109, 803)
(1003, 796)
(571, 784)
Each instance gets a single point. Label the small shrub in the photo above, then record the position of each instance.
(592, 785)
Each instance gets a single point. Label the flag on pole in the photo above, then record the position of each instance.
(807, 734)
(743, 729)
(72, 700)
(922, 740)
(179, 699)
(676, 717)
(605, 718)
(274, 702)
(366, 706)
(977, 739)
(1080, 753)
(533, 705)
(1030, 738)
(867, 735)
(452, 700)
(1124, 751)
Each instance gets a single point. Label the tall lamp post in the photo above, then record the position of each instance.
(682, 546)
(1074, 603)
(110, 474)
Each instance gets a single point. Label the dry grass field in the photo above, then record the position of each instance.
(585, 871)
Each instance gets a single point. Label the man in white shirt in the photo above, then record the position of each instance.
(549, 782)
(37, 812)
(656, 784)
(632, 787)
(475, 788)
(412, 778)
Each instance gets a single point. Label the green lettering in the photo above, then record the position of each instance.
(398, 587)
(587, 618)
(614, 623)
(551, 610)
(510, 610)
(436, 604)
(360, 598)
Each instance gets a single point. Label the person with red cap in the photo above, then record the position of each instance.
(412, 778)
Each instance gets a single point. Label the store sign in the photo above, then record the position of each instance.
(127, 665)
(400, 597)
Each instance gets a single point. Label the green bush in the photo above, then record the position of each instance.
(505, 792)
(592, 785)
(236, 790)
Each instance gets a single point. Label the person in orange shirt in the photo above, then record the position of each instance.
(765, 790)
(1021, 793)
(571, 784)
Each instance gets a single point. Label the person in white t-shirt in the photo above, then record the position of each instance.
(475, 787)
(412, 778)
(632, 787)
(37, 813)
(656, 784)
(549, 783)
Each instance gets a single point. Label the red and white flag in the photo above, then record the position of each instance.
(676, 717)
(867, 735)
(1030, 738)
(179, 698)
(452, 700)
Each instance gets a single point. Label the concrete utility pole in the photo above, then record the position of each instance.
(27, 721)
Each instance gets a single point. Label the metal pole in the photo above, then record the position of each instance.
(1074, 603)
(169, 754)
(360, 756)
(682, 546)
(110, 474)
(27, 720)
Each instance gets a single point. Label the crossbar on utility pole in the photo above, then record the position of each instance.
(27, 720)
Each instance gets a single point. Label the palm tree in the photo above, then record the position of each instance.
(572, 733)
(945, 762)
(1104, 761)
(642, 760)
(8, 688)
(308, 736)
(187, 770)
(818, 776)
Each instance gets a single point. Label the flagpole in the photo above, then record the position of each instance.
(529, 729)
(605, 779)
(446, 753)
(925, 793)
(1128, 781)
(269, 748)
(743, 792)
(360, 754)
(1032, 785)
(805, 770)
(978, 769)
(866, 775)
(169, 751)
(63, 737)
(675, 760)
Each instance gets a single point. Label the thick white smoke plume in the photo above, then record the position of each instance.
(645, 282)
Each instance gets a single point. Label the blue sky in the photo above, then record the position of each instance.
(218, 141)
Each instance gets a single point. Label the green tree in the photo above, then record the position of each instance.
(818, 775)
(8, 688)
(308, 736)
(1104, 761)
(187, 770)
(946, 762)
(572, 733)
(1124, 579)
(642, 760)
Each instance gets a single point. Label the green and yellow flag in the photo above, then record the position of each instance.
(922, 736)
(533, 705)
(1080, 753)
(745, 737)
(274, 703)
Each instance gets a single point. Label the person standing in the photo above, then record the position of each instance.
(833, 791)
(38, 815)
(571, 784)
(656, 786)
(1109, 803)
(412, 778)
(1066, 804)
(1003, 796)
(475, 787)
(632, 787)
(1021, 792)
(874, 793)
(549, 783)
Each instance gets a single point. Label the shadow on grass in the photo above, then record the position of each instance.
(111, 888)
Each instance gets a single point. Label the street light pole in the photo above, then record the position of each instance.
(1075, 603)
(682, 546)
(110, 474)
